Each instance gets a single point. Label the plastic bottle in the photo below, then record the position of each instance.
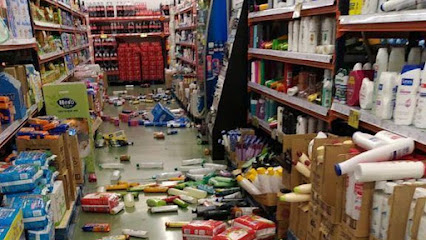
(302, 168)
(176, 192)
(406, 96)
(180, 203)
(295, 197)
(186, 168)
(377, 205)
(388, 137)
(327, 31)
(366, 94)
(418, 193)
(304, 159)
(394, 170)
(111, 165)
(201, 171)
(152, 202)
(420, 113)
(385, 95)
(247, 185)
(341, 83)
(253, 178)
(272, 181)
(135, 233)
(396, 59)
(217, 214)
(296, 30)
(193, 192)
(396, 5)
(167, 175)
(327, 87)
(313, 34)
(290, 36)
(303, 189)
(129, 200)
(188, 199)
(279, 178)
(263, 180)
(391, 151)
(414, 56)
(367, 141)
(148, 165)
(195, 177)
(384, 224)
(195, 161)
(381, 65)
(169, 208)
(215, 166)
(302, 125)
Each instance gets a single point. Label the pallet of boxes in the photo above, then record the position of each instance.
(365, 201)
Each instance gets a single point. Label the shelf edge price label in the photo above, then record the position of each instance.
(353, 119)
(103, 36)
(144, 35)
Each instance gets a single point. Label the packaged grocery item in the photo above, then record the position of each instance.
(264, 228)
(96, 227)
(47, 233)
(236, 233)
(354, 85)
(100, 202)
(11, 224)
(202, 229)
(38, 158)
(116, 237)
(20, 178)
(35, 211)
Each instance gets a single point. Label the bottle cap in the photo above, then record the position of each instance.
(338, 170)
(240, 178)
(261, 170)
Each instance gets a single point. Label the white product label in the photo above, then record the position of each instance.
(23, 176)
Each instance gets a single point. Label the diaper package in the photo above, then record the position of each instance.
(47, 233)
(20, 178)
(35, 211)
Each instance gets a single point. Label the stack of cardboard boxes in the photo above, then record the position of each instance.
(325, 216)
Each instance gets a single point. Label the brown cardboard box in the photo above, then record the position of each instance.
(77, 163)
(283, 211)
(328, 230)
(315, 219)
(282, 227)
(65, 180)
(400, 203)
(418, 213)
(345, 235)
(56, 146)
(303, 221)
(361, 227)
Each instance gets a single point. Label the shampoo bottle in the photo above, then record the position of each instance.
(247, 185)
(414, 56)
(313, 33)
(405, 104)
(327, 31)
(396, 59)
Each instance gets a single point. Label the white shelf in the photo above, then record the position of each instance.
(300, 102)
(366, 116)
(312, 57)
(50, 55)
(389, 17)
(277, 11)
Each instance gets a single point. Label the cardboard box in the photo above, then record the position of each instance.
(328, 230)
(76, 161)
(56, 146)
(282, 228)
(283, 211)
(267, 199)
(303, 221)
(418, 213)
(346, 235)
(67, 188)
(400, 203)
(315, 219)
(57, 202)
(68, 160)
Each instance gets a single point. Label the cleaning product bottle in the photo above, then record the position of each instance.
(195, 161)
(201, 171)
(327, 87)
(168, 208)
(302, 125)
(381, 65)
(385, 95)
(366, 94)
(420, 114)
(341, 83)
(367, 141)
(263, 180)
(247, 185)
(384, 224)
(303, 189)
(376, 213)
(405, 104)
(414, 56)
(396, 59)
(391, 151)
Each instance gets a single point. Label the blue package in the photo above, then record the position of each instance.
(47, 233)
(7, 216)
(39, 190)
(3, 232)
(20, 178)
(31, 157)
(161, 113)
(35, 211)
(10, 87)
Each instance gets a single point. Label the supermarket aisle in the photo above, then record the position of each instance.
(171, 151)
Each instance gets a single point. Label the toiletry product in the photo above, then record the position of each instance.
(247, 185)
(397, 5)
(149, 165)
(391, 151)
(420, 112)
(176, 192)
(379, 5)
(264, 180)
(129, 200)
(385, 95)
(388, 137)
(366, 66)
(167, 175)
(414, 56)
(313, 33)
(312, 125)
(135, 233)
(341, 83)
(201, 171)
(195, 161)
(356, 77)
(406, 96)
(327, 31)
(392, 170)
(302, 168)
(396, 59)
(303, 189)
(152, 202)
(193, 192)
(367, 141)
(381, 65)
(295, 197)
(384, 224)
(215, 166)
(376, 212)
(157, 189)
(302, 125)
(327, 88)
(366, 94)
(169, 208)
(180, 203)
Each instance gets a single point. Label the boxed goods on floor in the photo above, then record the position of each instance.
(236, 233)
(202, 229)
(100, 202)
(264, 228)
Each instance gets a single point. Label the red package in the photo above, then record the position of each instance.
(99, 202)
(236, 233)
(205, 228)
(263, 227)
(354, 85)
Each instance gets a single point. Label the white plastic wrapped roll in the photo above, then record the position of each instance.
(381, 171)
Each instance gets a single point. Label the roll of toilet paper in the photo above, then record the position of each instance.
(392, 170)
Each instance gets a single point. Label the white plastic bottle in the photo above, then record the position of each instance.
(392, 170)
(148, 165)
(367, 66)
(188, 199)
(264, 180)
(327, 87)
(169, 208)
(376, 212)
(367, 141)
(313, 33)
(384, 224)
(379, 5)
(129, 200)
(290, 36)
(272, 180)
(385, 95)
(201, 170)
(135, 233)
(302, 125)
(215, 166)
(296, 29)
(303, 189)
(395, 150)
(418, 193)
(167, 175)
(396, 5)
(194, 161)
(312, 125)
(414, 56)
(295, 197)
(406, 97)
(247, 185)
(176, 192)
(302, 168)
(396, 59)
(366, 94)
(327, 31)
(388, 137)
(420, 113)
(381, 65)
(197, 193)
(279, 178)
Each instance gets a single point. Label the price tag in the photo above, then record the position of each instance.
(297, 9)
(144, 35)
(353, 120)
(255, 122)
(103, 36)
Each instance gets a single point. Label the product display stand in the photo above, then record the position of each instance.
(230, 116)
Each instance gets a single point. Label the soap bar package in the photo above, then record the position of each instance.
(236, 233)
(263, 227)
(202, 229)
(99, 202)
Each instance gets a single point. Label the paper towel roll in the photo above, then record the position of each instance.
(371, 172)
